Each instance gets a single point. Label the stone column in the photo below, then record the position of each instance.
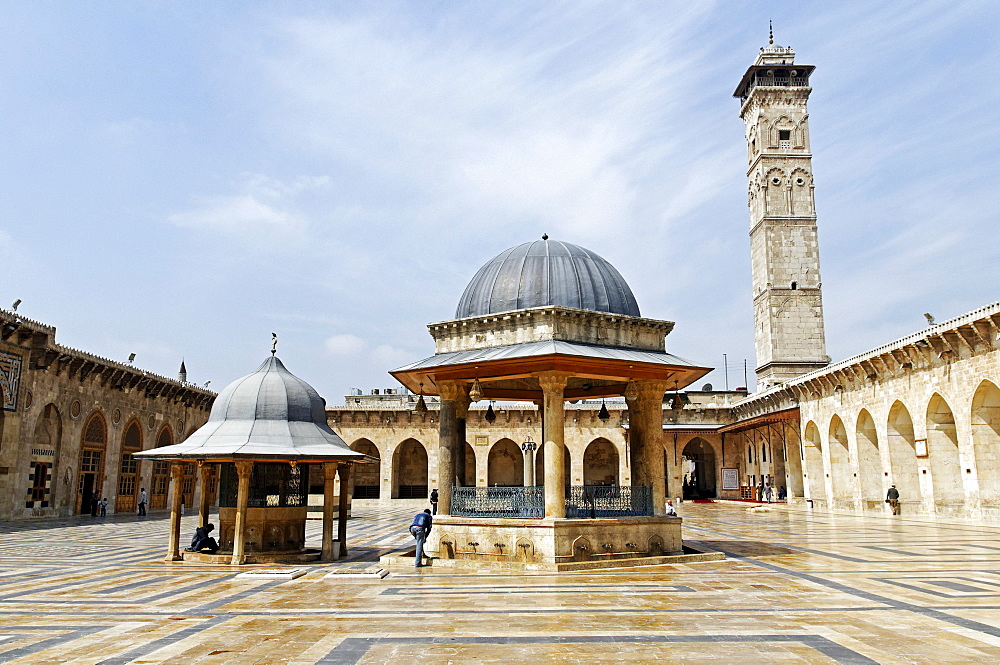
(529, 464)
(243, 470)
(461, 415)
(205, 473)
(345, 478)
(646, 439)
(553, 384)
(450, 393)
(176, 486)
(329, 487)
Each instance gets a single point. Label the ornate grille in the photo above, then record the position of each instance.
(272, 485)
(590, 501)
(510, 502)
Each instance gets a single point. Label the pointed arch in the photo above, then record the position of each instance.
(128, 467)
(409, 471)
(942, 457)
(870, 474)
(698, 472)
(505, 465)
(840, 461)
(814, 474)
(903, 456)
(600, 463)
(986, 442)
(93, 450)
(45, 447)
(366, 479)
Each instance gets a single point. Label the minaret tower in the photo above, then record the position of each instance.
(784, 252)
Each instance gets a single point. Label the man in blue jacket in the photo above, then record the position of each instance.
(420, 529)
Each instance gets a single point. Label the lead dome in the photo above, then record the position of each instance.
(547, 273)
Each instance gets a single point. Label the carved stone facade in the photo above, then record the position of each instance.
(70, 421)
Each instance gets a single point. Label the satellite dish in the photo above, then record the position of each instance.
(707, 388)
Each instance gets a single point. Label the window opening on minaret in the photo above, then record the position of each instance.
(784, 138)
(795, 285)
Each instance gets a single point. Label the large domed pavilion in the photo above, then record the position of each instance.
(549, 321)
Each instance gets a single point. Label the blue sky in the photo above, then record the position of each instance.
(180, 179)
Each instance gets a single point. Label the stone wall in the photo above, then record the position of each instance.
(70, 419)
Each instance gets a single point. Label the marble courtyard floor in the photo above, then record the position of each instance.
(797, 587)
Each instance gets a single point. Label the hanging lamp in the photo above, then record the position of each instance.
(490, 414)
(421, 406)
(603, 414)
(476, 392)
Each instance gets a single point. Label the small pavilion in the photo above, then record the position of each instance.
(266, 431)
(547, 322)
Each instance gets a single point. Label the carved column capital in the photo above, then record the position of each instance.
(177, 471)
(452, 391)
(330, 470)
(244, 468)
(552, 382)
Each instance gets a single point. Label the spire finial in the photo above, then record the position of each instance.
(545, 236)
(274, 343)
(770, 32)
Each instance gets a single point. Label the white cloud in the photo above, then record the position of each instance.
(390, 357)
(263, 208)
(345, 345)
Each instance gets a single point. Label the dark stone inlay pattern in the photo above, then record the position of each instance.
(146, 649)
(353, 649)
(518, 590)
(68, 634)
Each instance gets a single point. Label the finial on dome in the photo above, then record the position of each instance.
(545, 236)
(274, 343)
(770, 32)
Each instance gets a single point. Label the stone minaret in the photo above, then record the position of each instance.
(182, 375)
(784, 253)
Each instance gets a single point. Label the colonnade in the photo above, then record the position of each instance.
(647, 460)
(332, 549)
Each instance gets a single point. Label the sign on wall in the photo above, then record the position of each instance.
(10, 379)
(730, 479)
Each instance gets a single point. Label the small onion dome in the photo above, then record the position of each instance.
(547, 273)
(269, 414)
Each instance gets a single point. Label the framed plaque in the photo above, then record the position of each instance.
(730, 479)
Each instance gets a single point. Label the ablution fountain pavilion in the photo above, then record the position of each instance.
(265, 432)
(547, 322)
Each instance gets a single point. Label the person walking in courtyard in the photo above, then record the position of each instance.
(104, 507)
(768, 492)
(420, 529)
(142, 502)
(434, 501)
(892, 498)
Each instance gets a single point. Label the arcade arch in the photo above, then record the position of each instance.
(505, 465)
(840, 461)
(986, 442)
(698, 458)
(942, 453)
(600, 463)
(44, 453)
(814, 473)
(93, 448)
(128, 468)
(869, 462)
(409, 471)
(366, 478)
(161, 473)
(470, 466)
(903, 455)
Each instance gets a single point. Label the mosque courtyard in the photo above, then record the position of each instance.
(796, 587)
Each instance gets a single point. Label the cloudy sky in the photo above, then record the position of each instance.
(180, 179)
